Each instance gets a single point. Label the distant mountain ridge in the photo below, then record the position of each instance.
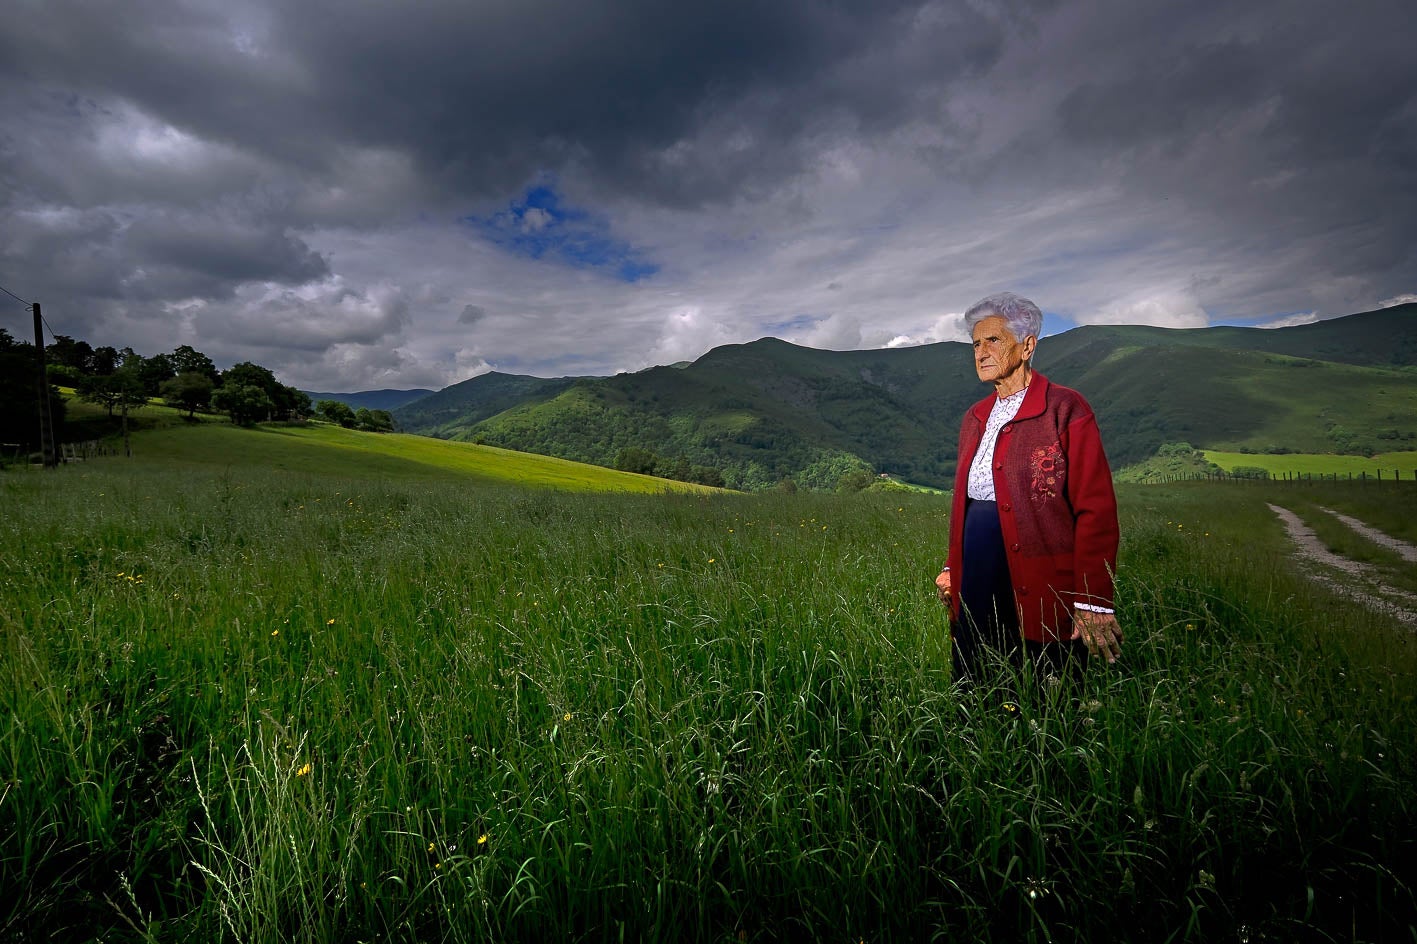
(768, 410)
(372, 399)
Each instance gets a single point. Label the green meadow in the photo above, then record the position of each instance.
(307, 685)
(1401, 464)
(320, 448)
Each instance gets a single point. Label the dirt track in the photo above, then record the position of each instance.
(1354, 580)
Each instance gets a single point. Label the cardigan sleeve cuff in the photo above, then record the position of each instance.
(1094, 609)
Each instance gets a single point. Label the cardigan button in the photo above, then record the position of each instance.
(1007, 429)
(1008, 507)
(1015, 547)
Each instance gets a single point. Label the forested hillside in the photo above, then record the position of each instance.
(769, 410)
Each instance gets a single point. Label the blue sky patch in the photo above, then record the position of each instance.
(541, 225)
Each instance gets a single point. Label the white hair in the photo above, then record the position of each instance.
(1024, 318)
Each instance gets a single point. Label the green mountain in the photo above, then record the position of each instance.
(371, 399)
(453, 411)
(763, 411)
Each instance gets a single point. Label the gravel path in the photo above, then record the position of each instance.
(1361, 585)
(1408, 551)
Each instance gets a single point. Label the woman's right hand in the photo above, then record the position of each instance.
(942, 586)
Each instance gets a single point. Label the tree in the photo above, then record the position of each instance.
(19, 397)
(190, 391)
(286, 402)
(121, 389)
(247, 374)
(295, 403)
(188, 360)
(155, 371)
(336, 412)
(854, 481)
(104, 361)
(635, 459)
(66, 352)
(375, 421)
(245, 404)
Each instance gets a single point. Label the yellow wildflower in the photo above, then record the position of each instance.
(304, 771)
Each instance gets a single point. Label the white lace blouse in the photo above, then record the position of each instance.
(981, 470)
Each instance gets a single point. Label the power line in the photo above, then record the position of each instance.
(16, 297)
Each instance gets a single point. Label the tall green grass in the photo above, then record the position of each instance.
(285, 706)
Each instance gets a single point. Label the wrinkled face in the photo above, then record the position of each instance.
(998, 355)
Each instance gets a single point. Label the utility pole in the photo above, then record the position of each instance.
(46, 417)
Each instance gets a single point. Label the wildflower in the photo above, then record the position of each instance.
(1010, 707)
(430, 847)
(482, 840)
(329, 622)
(712, 559)
(566, 716)
(275, 632)
(304, 771)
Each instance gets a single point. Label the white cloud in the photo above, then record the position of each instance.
(535, 219)
(1289, 321)
(1165, 309)
(1404, 299)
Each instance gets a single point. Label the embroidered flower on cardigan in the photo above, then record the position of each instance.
(1047, 464)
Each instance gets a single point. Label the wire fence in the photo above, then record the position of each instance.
(1359, 477)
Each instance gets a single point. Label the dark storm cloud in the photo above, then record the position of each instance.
(233, 254)
(346, 177)
(1274, 127)
(483, 94)
(478, 90)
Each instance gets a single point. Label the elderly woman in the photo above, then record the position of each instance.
(1033, 530)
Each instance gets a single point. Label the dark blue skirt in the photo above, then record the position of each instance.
(988, 624)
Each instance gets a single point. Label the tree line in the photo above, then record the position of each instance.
(122, 380)
(185, 379)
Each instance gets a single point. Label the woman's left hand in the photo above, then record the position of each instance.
(1100, 632)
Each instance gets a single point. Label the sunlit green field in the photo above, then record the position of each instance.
(1401, 464)
(322, 448)
(261, 697)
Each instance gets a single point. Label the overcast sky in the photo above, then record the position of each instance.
(367, 193)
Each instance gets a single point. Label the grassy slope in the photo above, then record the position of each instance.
(1404, 463)
(321, 448)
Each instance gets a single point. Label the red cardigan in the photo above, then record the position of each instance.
(1057, 509)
